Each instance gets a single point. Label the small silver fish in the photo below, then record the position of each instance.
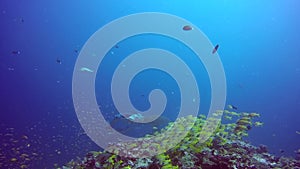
(85, 69)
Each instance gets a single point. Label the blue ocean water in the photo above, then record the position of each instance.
(40, 42)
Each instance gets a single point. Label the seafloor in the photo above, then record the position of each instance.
(226, 148)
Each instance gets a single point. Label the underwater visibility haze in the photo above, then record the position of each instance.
(255, 42)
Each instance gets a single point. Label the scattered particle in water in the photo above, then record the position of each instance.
(58, 152)
(187, 28)
(85, 69)
(11, 69)
(215, 49)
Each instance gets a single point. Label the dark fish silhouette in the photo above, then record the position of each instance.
(232, 107)
(215, 49)
(187, 28)
(16, 52)
(58, 61)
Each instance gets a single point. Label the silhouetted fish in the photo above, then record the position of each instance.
(187, 28)
(15, 52)
(58, 61)
(215, 49)
(232, 107)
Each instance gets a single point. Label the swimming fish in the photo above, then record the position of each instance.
(187, 28)
(258, 124)
(228, 117)
(13, 159)
(215, 49)
(58, 61)
(232, 107)
(23, 166)
(85, 69)
(15, 52)
(118, 116)
(25, 137)
(129, 122)
(136, 116)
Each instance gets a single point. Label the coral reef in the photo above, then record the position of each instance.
(224, 149)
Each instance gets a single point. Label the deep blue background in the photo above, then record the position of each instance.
(259, 47)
